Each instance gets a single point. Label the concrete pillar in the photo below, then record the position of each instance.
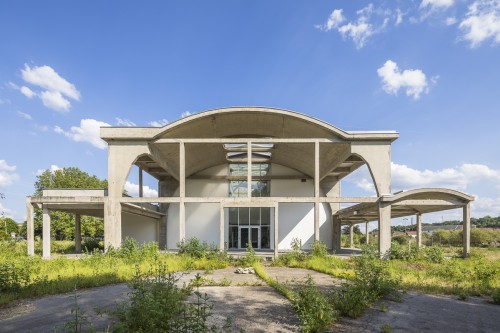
(276, 230)
(78, 234)
(367, 233)
(141, 189)
(46, 232)
(384, 229)
(222, 237)
(466, 230)
(419, 230)
(30, 227)
(182, 191)
(166, 188)
(316, 190)
(249, 169)
(378, 160)
(351, 236)
(112, 223)
(337, 234)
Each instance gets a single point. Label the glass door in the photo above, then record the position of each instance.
(249, 235)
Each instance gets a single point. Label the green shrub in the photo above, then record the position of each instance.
(90, 245)
(316, 312)
(318, 249)
(250, 259)
(196, 249)
(13, 277)
(351, 300)
(433, 254)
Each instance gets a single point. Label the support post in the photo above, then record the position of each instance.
(30, 227)
(419, 230)
(337, 234)
(249, 169)
(276, 230)
(351, 236)
(182, 191)
(316, 190)
(367, 233)
(78, 234)
(221, 228)
(466, 230)
(46, 232)
(140, 183)
(384, 229)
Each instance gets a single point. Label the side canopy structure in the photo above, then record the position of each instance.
(180, 153)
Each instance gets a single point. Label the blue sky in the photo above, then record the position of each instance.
(429, 69)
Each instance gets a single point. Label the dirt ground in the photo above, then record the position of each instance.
(255, 307)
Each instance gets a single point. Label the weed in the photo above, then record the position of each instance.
(496, 296)
(318, 249)
(383, 307)
(385, 328)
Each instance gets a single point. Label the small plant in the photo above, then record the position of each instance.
(80, 322)
(383, 307)
(433, 254)
(250, 259)
(496, 296)
(196, 249)
(316, 312)
(385, 328)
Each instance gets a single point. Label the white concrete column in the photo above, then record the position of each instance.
(384, 229)
(249, 169)
(351, 236)
(316, 190)
(140, 183)
(30, 227)
(46, 232)
(337, 234)
(466, 230)
(367, 233)
(182, 191)
(419, 230)
(78, 234)
(221, 228)
(276, 230)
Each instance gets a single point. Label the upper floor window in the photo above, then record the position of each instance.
(238, 182)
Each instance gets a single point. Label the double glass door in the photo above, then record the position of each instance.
(249, 235)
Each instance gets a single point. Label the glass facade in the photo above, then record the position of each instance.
(250, 225)
(238, 188)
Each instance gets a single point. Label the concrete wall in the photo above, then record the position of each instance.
(296, 219)
(143, 229)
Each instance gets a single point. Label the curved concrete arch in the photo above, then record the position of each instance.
(428, 193)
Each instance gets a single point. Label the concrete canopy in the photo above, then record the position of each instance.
(406, 203)
(235, 123)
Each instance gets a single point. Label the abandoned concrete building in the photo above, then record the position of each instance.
(244, 175)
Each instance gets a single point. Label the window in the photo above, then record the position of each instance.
(238, 188)
(250, 225)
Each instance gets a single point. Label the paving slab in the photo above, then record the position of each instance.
(294, 276)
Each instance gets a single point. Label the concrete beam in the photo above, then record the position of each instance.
(261, 200)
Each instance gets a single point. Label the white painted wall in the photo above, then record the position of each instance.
(143, 229)
(296, 219)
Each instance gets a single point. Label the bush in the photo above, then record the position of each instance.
(433, 254)
(318, 249)
(496, 296)
(12, 277)
(250, 259)
(314, 308)
(196, 249)
(90, 245)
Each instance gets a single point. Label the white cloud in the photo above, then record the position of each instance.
(88, 131)
(413, 80)
(185, 114)
(362, 28)
(53, 168)
(4, 211)
(7, 174)
(399, 16)
(485, 206)
(133, 190)
(482, 22)
(55, 89)
(450, 21)
(158, 123)
(436, 4)
(24, 115)
(27, 92)
(124, 122)
(333, 21)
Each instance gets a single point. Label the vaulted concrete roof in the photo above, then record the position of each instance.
(247, 122)
(405, 203)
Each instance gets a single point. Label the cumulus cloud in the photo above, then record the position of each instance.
(88, 131)
(53, 168)
(413, 80)
(486, 206)
(436, 4)
(482, 22)
(158, 123)
(54, 90)
(133, 190)
(124, 122)
(7, 174)
(333, 21)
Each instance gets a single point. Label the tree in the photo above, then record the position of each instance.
(63, 224)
